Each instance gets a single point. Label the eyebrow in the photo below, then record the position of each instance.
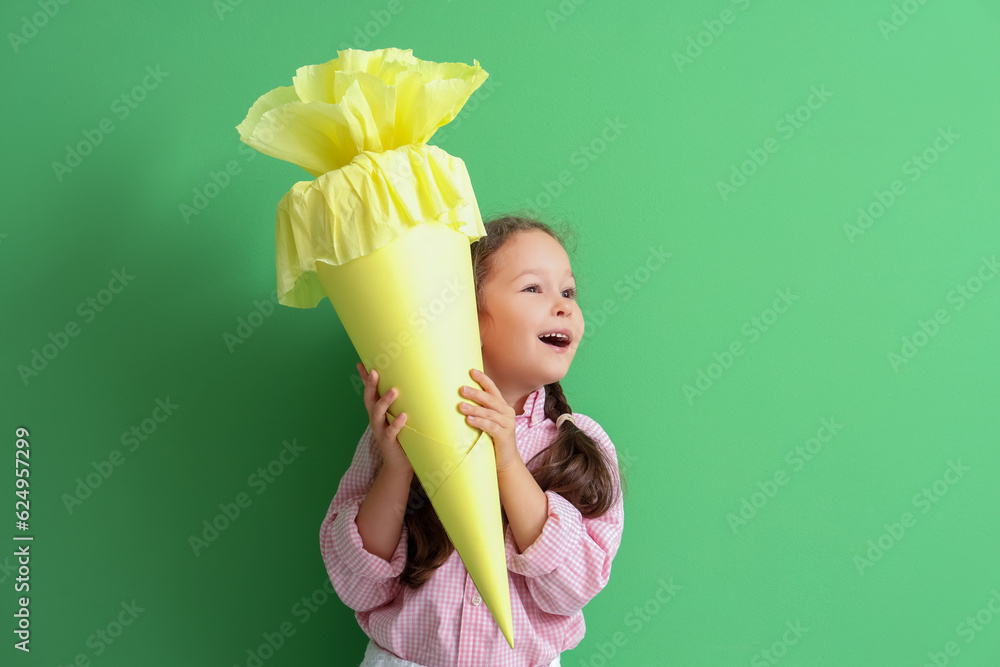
(538, 272)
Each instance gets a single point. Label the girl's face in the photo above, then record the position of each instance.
(531, 292)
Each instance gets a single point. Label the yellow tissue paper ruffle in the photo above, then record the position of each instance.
(383, 230)
(355, 210)
(359, 101)
(360, 124)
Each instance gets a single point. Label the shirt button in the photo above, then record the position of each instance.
(476, 599)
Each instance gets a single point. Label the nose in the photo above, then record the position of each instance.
(564, 306)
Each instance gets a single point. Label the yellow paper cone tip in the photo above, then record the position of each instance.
(468, 504)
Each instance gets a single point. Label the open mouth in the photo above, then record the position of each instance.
(556, 340)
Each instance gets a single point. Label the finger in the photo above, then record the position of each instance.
(491, 389)
(370, 387)
(481, 413)
(482, 423)
(386, 401)
(481, 397)
(365, 393)
(398, 424)
(483, 379)
(470, 409)
(499, 403)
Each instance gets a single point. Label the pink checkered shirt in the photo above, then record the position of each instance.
(444, 623)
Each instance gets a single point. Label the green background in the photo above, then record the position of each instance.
(697, 459)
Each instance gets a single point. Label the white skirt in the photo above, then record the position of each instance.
(376, 656)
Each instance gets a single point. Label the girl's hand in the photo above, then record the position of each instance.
(393, 456)
(495, 417)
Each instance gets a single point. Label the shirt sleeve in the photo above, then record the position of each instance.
(570, 562)
(363, 581)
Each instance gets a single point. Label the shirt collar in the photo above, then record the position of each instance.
(534, 407)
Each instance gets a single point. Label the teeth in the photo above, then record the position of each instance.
(555, 335)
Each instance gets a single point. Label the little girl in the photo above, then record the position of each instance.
(560, 486)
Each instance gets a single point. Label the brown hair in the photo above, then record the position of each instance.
(571, 465)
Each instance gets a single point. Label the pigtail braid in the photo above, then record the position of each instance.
(572, 465)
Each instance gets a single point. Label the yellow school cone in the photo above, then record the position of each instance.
(425, 277)
(384, 232)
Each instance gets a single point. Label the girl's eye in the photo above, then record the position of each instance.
(571, 290)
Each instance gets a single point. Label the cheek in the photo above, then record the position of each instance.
(508, 320)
